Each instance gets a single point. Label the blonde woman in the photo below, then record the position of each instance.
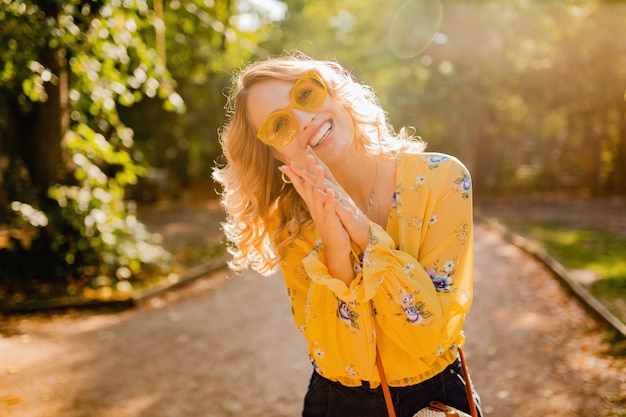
(373, 236)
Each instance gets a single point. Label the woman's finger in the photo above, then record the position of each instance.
(304, 173)
(327, 173)
(295, 180)
(331, 201)
(316, 175)
(306, 190)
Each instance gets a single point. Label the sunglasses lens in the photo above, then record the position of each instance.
(280, 127)
(309, 94)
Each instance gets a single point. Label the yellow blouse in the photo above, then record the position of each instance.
(413, 284)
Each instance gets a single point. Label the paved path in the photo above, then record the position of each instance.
(226, 346)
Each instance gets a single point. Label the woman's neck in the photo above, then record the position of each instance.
(356, 175)
(370, 182)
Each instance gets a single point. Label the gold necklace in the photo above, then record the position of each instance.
(370, 202)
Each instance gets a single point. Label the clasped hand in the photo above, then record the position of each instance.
(336, 216)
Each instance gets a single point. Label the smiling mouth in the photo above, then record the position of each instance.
(321, 134)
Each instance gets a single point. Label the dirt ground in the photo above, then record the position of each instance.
(226, 345)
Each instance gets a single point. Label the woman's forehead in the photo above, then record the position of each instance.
(266, 97)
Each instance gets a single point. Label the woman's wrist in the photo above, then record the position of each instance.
(363, 237)
(339, 264)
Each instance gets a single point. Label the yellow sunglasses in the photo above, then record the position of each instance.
(308, 94)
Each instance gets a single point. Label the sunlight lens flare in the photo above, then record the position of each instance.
(414, 26)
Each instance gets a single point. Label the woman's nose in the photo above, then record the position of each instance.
(303, 118)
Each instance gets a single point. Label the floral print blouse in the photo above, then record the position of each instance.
(412, 286)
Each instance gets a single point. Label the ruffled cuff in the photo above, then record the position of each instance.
(364, 285)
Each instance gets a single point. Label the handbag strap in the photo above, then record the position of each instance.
(387, 393)
(468, 385)
(383, 382)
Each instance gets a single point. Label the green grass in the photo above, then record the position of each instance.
(599, 251)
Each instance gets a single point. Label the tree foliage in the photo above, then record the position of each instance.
(530, 94)
(203, 48)
(67, 67)
(94, 94)
(91, 100)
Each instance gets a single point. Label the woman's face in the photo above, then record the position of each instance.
(328, 130)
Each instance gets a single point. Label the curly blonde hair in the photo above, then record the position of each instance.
(253, 193)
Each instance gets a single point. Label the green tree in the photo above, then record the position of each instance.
(66, 67)
(529, 94)
(203, 46)
(91, 99)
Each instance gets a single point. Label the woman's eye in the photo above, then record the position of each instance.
(280, 123)
(303, 97)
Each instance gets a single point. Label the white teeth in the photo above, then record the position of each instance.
(321, 134)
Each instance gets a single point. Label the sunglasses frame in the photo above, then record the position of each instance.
(287, 139)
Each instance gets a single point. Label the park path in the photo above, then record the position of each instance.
(226, 346)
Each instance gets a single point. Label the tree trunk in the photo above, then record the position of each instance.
(593, 161)
(617, 178)
(40, 141)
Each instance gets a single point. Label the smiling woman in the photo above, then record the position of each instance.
(373, 236)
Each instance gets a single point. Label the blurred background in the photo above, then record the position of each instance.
(109, 105)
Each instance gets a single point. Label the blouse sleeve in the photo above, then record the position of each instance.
(427, 276)
(416, 290)
(339, 331)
